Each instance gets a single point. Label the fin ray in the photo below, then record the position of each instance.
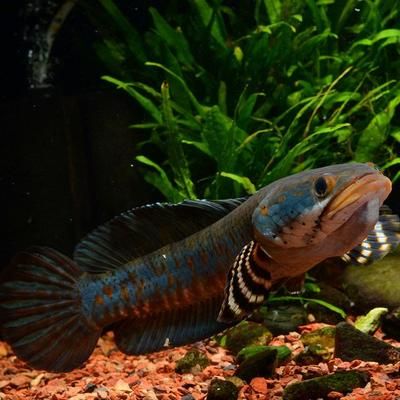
(383, 239)
(145, 229)
(136, 336)
(40, 317)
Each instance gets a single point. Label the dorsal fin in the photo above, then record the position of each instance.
(142, 230)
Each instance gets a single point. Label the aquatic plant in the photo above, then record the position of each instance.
(239, 95)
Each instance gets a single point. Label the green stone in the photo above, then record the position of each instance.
(222, 390)
(282, 318)
(352, 344)
(317, 388)
(314, 354)
(244, 334)
(190, 360)
(324, 337)
(260, 364)
(283, 352)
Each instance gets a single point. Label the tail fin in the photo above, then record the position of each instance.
(40, 311)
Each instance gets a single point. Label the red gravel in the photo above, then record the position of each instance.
(110, 374)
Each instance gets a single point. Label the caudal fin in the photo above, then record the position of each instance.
(40, 311)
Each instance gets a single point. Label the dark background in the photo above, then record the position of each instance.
(66, 153)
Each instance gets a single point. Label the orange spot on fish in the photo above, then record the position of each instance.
(99, 300)
(132, 277)
(125, 293)
(177, 263)
(204, 257)
(171, 280)
(281, 198)
(108, 290)
(189, 262)
(264, 210)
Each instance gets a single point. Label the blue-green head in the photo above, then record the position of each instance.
(320, 213)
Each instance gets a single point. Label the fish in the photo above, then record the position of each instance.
(171, 274)
(293, 232)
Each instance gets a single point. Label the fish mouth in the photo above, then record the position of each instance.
(359, 191)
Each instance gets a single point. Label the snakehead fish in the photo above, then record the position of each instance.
(163, 274)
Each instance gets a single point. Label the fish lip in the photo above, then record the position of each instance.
(362, 186)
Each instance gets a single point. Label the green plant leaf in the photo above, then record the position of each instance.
(245, 110)
(199, 108)
(208, 17)
(374, 135)
(215, 133)
(199, 145)
(311, 114)
(160, 180)
(390, 163)
(131, 36)
(173, 38)
(396, 135)
(176, 155)
(145, 102)
(278, 299)
(242, 180)
(274, 9)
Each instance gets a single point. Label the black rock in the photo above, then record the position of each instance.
(313, 354)
(188, 397)
(222, 390)
(262, 364)
(352, 344)
(283, 352)
(375, 286)
(330, 295)
(391, 324)
(282, 318)
(317, 388)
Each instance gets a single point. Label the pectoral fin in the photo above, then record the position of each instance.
(295, 285)
(383, 239)
(248, 284)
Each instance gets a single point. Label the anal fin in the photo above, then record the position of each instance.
(295, 285)
(175, 328)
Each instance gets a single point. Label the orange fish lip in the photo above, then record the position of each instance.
(363, 187)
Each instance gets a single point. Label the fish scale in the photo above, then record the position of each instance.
(166, 274)
(105, 309)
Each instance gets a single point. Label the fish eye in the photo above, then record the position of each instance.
(324, 185)
(321, 187)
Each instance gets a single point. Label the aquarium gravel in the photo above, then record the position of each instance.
(110, 374)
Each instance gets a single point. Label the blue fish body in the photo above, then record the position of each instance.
(158, 275)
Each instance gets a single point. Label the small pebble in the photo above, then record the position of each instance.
(187, 397)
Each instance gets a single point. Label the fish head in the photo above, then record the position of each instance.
(321, 213)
